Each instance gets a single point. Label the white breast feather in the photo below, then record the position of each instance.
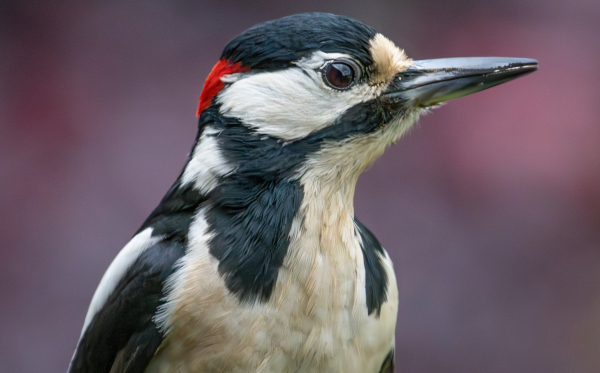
(207, 163)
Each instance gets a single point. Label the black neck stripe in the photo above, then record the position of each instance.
(376, 280)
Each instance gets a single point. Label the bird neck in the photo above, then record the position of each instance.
(329, 200)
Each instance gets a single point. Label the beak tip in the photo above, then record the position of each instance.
(530, 64)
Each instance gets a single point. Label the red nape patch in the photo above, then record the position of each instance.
(213, 83)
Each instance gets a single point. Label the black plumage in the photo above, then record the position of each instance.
(274, 44)
(251, 219)
(376, 281)
(123, 332)
(172, 217)
(388, 364)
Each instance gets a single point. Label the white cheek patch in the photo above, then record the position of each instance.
(207, 164)
(292, 103)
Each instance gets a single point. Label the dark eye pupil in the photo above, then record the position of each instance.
(339, 75)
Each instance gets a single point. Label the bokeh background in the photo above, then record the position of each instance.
(490, 207)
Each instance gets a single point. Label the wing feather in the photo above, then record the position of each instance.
(122, 336)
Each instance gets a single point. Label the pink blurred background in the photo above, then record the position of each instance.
(490, 207)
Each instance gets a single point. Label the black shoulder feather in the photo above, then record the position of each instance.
(122, 337)
(376, 280)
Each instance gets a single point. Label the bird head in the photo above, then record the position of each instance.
(320, 96)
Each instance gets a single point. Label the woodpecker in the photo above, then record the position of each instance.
(254, 261)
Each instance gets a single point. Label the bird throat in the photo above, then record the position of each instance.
(279, 206)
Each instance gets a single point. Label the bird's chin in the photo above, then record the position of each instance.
(389, 133)
(407, 118)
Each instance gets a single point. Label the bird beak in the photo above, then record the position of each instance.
(428, 82)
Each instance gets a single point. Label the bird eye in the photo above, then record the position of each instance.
(340, 74)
